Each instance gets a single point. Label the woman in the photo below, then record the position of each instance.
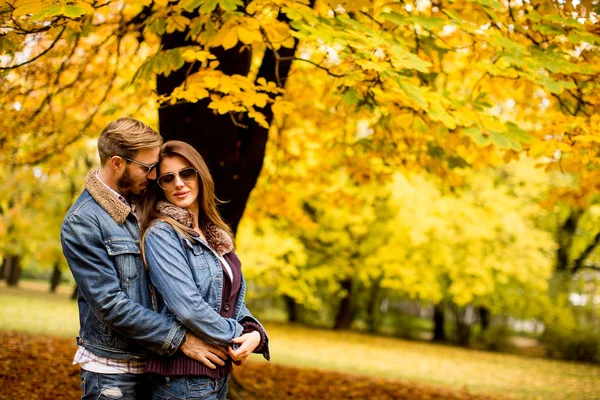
(190, 253)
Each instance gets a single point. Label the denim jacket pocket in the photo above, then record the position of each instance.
(196, 255)
(127, 254)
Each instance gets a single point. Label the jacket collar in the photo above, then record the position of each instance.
(216, 237)
(105, 198)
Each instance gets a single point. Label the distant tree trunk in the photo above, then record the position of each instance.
(439, 321)
(564, 239)
(3, 269)
(463, 325)
(292, 308)
(373, 306)
(484, 317)
(12, 270)
(55, 278)
(75, 292)
(345, 314)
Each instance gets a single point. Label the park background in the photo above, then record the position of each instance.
(414, 185)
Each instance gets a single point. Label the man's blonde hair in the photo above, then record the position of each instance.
(124, 137)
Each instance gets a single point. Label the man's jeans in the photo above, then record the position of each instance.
(189, 387)
(114, 386)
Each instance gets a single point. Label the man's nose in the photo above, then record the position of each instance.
(152, 174)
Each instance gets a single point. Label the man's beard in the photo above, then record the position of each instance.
(124, 183)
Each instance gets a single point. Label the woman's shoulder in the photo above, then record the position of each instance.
(160, 228)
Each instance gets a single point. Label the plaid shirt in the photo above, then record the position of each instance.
(86, 359)
(109, 365)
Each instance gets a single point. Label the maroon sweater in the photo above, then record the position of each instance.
(179, 363)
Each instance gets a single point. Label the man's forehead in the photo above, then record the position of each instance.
(148, 155)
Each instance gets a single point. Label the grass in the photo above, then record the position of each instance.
(32, 310)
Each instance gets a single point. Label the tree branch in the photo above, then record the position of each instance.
(39, 55)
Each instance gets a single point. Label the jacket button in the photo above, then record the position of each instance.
(226, 307)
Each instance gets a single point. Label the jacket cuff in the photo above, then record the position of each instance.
(250, 327)
(177, 340)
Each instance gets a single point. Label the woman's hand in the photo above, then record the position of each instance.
(205, 353)
(248, 342)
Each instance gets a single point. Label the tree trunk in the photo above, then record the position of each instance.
(55, 278)
(13, 270)
(3, 269)
(484, 317)
(345, 314)
(373, 306)
(292, 308)
(463, 325)
(439, 321)
(234, 153)
(564, 239)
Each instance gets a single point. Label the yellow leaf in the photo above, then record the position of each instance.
(230, 38)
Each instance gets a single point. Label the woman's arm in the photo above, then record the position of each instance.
(172, 277)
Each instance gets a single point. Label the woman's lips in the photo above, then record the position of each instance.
(181, 195)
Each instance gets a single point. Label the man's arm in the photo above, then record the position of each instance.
(96, 276)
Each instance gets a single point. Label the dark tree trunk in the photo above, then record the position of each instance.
(55, 278)
(345, 314)
(373, 306)
(484, 317)
(439, 322)
(564, 239)
(292, 308)
(234, 153)
(12, 270)
(3, 269)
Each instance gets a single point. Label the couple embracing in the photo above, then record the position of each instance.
(161, 290)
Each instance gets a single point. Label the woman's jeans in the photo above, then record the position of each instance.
(188, 388)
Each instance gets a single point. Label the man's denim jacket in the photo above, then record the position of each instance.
(189, 279)
(100, 240)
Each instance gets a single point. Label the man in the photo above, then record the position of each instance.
(100, 240)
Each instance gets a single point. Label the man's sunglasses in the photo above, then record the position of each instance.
(147, 168)
(167, 181)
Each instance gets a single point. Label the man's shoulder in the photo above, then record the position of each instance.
(86, 207)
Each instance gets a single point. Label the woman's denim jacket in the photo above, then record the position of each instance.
(189, 279)
(100, 241)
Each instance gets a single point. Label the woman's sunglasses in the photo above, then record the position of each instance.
(167, 181)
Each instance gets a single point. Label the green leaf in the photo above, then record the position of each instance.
(548, 29)
(517, 133)
(419, 125)
(191, 5)
(454, 16)
(477, 135)
(488, 3)
(231, 5)
(351, 97)
(47, 12)
(414, 93)
(502, 141)
(430, 23)
(397, 19)
(209, 6)
(74, 11)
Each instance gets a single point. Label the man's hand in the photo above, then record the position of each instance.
(205, 353)
(248, 342)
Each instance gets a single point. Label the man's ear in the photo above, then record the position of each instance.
(116, 163)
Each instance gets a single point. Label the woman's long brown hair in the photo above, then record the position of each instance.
(206, 193)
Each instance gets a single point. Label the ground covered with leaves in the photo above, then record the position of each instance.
(39, 367)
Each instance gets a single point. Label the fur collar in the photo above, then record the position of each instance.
(217, 238)
(107, 200)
